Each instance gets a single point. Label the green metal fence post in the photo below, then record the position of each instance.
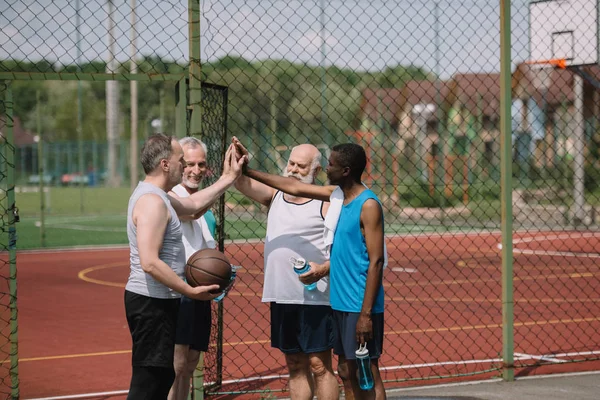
(12, 240)
(195, 69)
(506, 194)
(195, 87)
(41, 172)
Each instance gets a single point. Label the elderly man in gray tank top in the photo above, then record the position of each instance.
(157, 259)
(301, 321)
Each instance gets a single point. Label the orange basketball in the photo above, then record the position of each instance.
(208, 267)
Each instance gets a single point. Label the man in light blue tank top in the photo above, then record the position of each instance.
(357, 260)
(157, 259)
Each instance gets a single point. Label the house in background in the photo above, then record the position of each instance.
(473, 119)
(552, 91)
(419, 128)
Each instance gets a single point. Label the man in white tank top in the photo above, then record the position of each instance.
(194, 320)
(157, 260)
(301, 322)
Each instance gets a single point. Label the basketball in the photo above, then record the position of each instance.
(208, 267)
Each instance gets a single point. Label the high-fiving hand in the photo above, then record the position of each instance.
(233, 163)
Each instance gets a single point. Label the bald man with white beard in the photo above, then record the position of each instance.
(301, 319)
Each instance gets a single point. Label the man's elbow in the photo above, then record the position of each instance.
(378, 262)
(148, 266)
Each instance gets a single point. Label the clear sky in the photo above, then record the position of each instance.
(359, 34)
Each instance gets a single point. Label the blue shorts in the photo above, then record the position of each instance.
(344, 326)
(193, 324)
(301, 328)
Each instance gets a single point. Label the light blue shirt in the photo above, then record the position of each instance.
(350, 260)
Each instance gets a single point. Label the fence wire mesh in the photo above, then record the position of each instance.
(417, 84)
(9, 382)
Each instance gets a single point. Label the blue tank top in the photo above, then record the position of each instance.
(350, 260)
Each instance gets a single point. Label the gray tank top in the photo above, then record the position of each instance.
(171, 252)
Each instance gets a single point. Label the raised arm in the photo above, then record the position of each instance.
(151, 216)
(261, 180)
(371, 219)
(255, 190)
(202, 199)
(191, 217)
(291, 185)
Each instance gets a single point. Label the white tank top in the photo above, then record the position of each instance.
(171, 252)
(196, 235)
(293, 230)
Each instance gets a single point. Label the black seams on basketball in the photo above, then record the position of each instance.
(208, 267)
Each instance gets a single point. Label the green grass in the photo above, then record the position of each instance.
(67, 201)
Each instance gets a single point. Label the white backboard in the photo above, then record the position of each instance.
(564, 29)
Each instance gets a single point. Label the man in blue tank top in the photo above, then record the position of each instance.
(357, 258)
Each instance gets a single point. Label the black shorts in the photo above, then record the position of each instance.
(344, 326)
(193, 324)
(300, 328)
(152, 325)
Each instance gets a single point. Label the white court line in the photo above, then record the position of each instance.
(541, 358)
(542, 252)
(557, 236)
(518, 356)
(555, 253)
(408, 270)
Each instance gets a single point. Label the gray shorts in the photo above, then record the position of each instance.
(344, 327)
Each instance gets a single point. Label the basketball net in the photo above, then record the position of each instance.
(542, 78)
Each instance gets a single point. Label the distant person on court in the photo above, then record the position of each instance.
(356, 240)
(157, 259)
(301, 320)
(194, 321)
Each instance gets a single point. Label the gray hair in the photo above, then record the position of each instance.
(193, 143)
(157, 147)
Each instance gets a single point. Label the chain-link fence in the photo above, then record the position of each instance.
(469, 294)
(9, 377)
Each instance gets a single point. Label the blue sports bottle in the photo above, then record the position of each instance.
(301, 266)
(365, 375)
(220, 297)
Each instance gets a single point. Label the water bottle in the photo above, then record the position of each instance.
(365, 375)
(220, 297)
(301, 266)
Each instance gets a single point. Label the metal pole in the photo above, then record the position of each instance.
(438, 111)
(195, 87)
(79, 111)
(195, 69)
(578, 211)
(506, 194)
(41, 172)
(112, 104)
(324, 128)
(161, 110)
(133, 143)
(12, 239)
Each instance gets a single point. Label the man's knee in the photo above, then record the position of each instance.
(192, 361)
(297, 362)
(180, 359)
(320, 363)
(344, 370)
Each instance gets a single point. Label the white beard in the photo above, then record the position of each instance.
(188, 183)
(304, 179)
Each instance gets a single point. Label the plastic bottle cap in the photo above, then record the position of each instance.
(362, 351)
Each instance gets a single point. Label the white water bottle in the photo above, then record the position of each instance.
(301, 266)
